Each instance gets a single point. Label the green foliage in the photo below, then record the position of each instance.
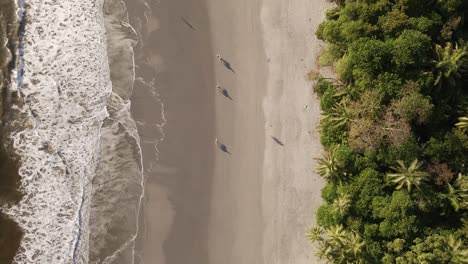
(412, 105)
(397, 213)
(339, 115)
(345, 157)
(449, 7)
(462, 122)
(451, 149)
(408, 176)
(342, 203)
(330, 134)
(330, 54)
(338, 244)
(411, 48)
(366, 58)
(327, 100)
(322, 87)
(329, 192)
(328, 216)
(457, 193)
(363, 189)
(436, 249)
(427, 25)
(458, 252)
(388, 84)
(327, 166)
(449, 63)
(396, 245)
(449, 28)
(394, 22)
(369, 105)
(410, 150)
(330, 168)
(395, 128)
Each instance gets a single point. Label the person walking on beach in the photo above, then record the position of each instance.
(223, 91)
(225, 63)
(221, 146)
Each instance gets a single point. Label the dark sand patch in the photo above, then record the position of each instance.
(10, 238)
(10, 233)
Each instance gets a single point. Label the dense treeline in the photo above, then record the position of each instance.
(395, 130)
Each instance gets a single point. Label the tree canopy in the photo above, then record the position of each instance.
(394, 127)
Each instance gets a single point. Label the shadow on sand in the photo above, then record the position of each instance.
(227, 64)
(279, 142)
(224, 92)
(188, 24)
(222, 147)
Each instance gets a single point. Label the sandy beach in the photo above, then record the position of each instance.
(291, 187)
(202, 205)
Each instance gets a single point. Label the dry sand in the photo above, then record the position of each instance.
(203, 206)
(291, 187)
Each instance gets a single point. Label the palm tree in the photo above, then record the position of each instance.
(340, 114)
(342, 203)
(338, 245)
(449, 63)
(355, 244)
(458, 193)
(462, 122)
(337, 235)
(346, 246)
(328, 165)
(409, 176)
(315, 234)
(324, 251)
(458, 254)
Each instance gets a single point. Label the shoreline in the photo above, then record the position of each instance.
(11, 233)
(174, 117)
(237, 215)
(214, 207)
(119, 181)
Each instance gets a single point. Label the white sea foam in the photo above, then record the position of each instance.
(65, 84)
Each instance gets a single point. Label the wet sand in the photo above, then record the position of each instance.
(202, 205)
(173, 105)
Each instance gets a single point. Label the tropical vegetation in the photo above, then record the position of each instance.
(395, 132)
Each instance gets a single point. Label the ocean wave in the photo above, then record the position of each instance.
(64, 81)
(119, 177)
